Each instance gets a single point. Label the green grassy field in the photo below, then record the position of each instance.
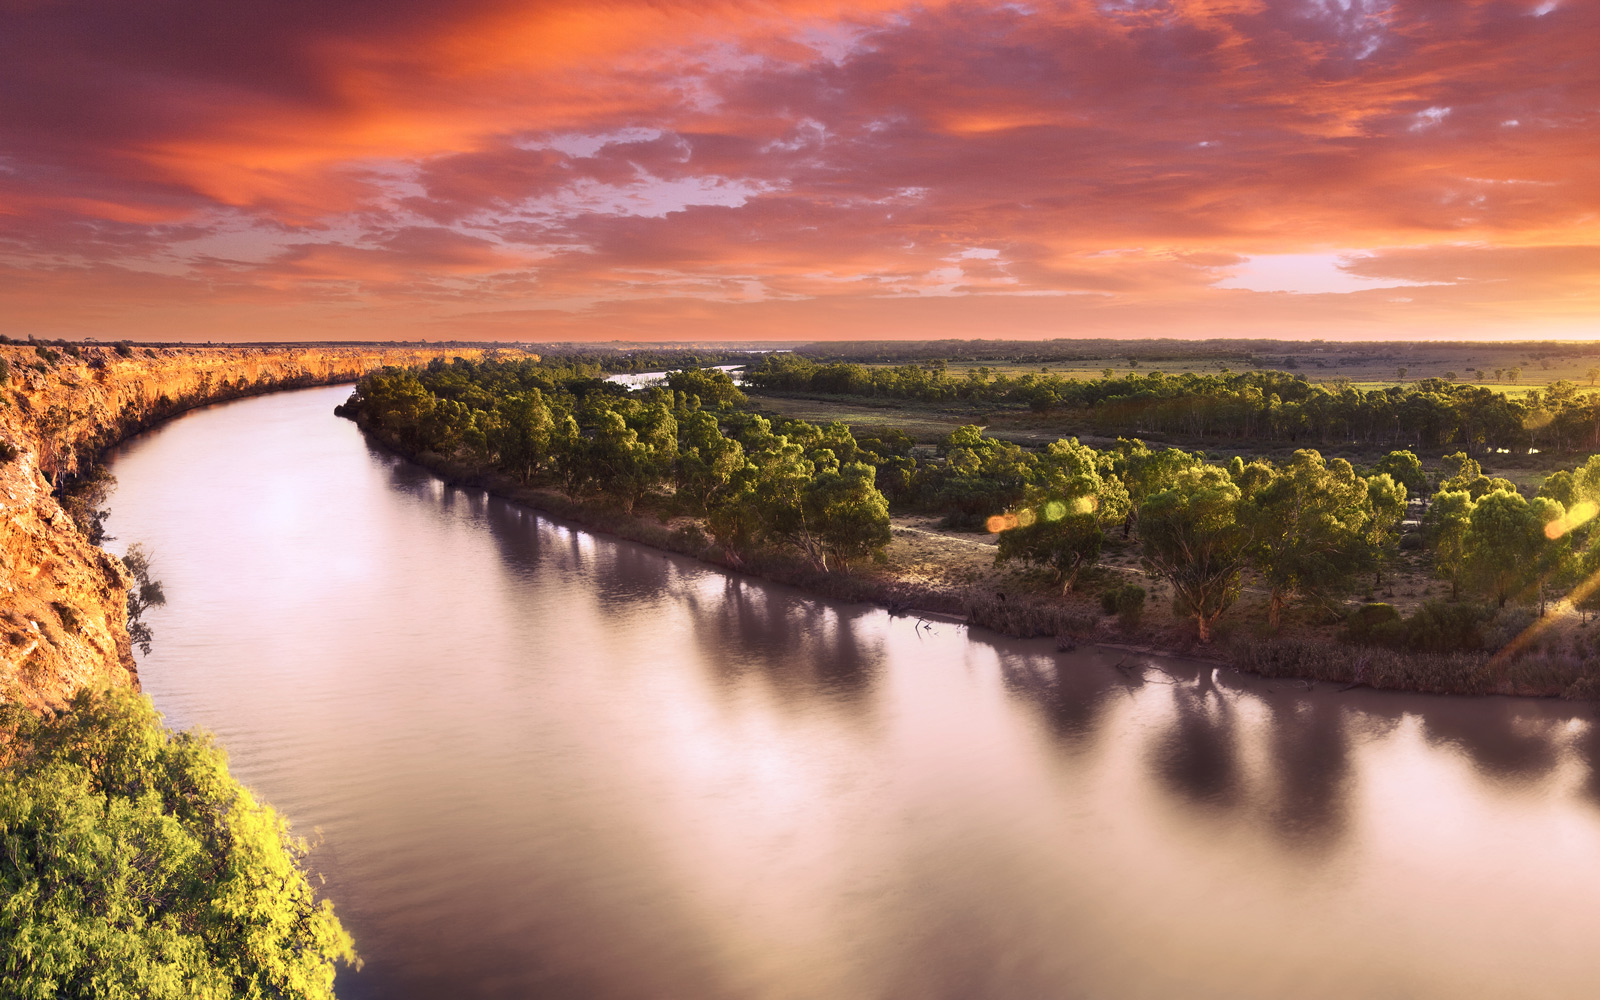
(1365, 365)
(1360, 376)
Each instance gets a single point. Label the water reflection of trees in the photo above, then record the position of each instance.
(798, 645)
(1309, 746)
(1073, 700)
(1197, 754)
(1301, 784)
(795, 643)
(743, 628)
(1501, 738)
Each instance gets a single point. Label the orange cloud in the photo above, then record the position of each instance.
(800, 167)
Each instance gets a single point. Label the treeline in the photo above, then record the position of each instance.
(682, 449)
(1250, 352)
(1256, 405)
(1307, 528)
(644, 359)
(1310, 531)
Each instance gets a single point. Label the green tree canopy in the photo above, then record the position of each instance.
(1504, 542)
(1193, 535)
(1310, 528)
(1386, 501)
(1404, 468)
(850, 515)
(715, 387)
(1444, 529)
(1066, 510)
(133, 865)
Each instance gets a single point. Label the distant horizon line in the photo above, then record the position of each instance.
(748, 343)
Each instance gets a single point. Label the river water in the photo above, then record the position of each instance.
(543, 763)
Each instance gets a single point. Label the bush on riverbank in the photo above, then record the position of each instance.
(1031, 619)
(1462, 673)
(133, 865)
(1539, 672)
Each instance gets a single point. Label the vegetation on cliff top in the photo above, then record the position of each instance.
(132, 864)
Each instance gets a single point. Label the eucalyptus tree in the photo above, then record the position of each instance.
(981, 476)
(1310, 527)
(1386, 504)
(1444, 530)
(714, 387)
(1554, 564)
(1504, 542)
(846, 514)
(520, 435)
(1065, 511)
(1145, 472)
(1193, 535)
(708, 460)
(1405, 468)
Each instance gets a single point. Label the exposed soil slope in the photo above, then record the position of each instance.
(63, 614)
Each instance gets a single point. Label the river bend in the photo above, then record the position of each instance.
(542, 763)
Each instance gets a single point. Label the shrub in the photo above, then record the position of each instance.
(135, 865)
(1370, 618)
(5, 371)
(8, 452)
(1130, 605)
(1583, 689)
(689, 538)
(1507, 625)
(1459, 673)
(50, 357)
(1445, 627)
(1435, 627)
(125, 349)
(1027, 619)
(1125, 601)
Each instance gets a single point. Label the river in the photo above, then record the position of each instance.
(542, 763)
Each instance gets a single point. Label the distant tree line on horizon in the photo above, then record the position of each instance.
(1251, 352)
(1255, 405)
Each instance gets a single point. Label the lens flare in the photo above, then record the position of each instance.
(1581, 513)
(1025, 517)
(1055, 510)
(1001, 522)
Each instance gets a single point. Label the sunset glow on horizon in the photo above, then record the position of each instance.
(800, 169)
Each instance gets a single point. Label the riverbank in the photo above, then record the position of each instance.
(951, 576)
(63, 610)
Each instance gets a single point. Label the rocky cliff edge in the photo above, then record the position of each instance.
(63, 600)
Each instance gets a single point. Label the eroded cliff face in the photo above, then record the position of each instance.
(63, 601)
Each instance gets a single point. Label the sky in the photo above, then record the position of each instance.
(799, 169)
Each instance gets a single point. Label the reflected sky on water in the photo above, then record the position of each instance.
(547, 763)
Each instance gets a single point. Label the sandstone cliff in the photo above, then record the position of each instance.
(63, 614)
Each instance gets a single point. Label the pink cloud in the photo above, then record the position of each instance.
(740, 165)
